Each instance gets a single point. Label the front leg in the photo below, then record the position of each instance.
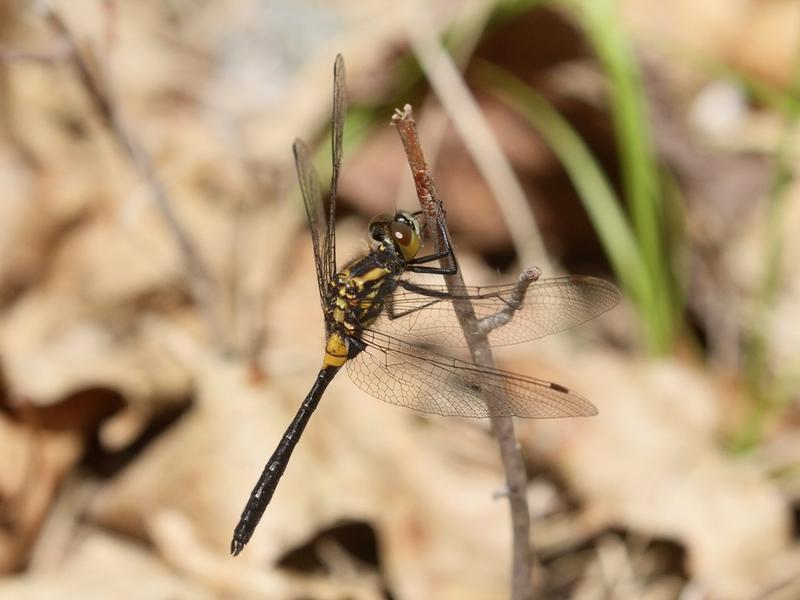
(416, 265)
(437, 296)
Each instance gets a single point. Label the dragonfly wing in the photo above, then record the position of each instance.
(312, 198)
(409, 376)
(426, 314)
(337, 131)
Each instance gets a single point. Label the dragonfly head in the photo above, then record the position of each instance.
(401, 231)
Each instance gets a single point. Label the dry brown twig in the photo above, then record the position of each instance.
(202, 285)
(475, 333)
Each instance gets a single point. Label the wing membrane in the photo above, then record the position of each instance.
(337, 130)
(312, 199)
(406, 375)
(547, 306)
(324, 248)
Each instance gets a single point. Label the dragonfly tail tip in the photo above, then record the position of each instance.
(236, 547)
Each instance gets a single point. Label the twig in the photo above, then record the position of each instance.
(201, 283)
(479, 140)
(491, 322)
(502, 427)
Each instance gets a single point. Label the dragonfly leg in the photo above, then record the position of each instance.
(417, 265)
(389, 304)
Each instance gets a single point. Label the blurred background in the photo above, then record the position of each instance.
(159, 320)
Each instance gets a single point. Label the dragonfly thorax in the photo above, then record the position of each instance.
(357, 294)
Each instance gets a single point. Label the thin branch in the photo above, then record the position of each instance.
(201, 283)
(480, 141)
(502, 427)
(490, 322)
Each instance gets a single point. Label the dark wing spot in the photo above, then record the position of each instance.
(559, 388)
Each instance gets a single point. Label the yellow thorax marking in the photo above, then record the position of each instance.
(368, 300)
(371, 275)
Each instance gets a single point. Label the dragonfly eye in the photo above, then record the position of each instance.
(405, 239)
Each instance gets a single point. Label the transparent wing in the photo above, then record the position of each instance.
(312, 198)
(337, 130)
(399, 373)
(546, 307)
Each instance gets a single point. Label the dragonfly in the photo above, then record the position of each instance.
(386, 328)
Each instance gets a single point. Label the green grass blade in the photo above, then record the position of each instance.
(640, 173)
(594, 189)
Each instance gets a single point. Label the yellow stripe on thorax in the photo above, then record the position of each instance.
(372, 275)
(368, 300)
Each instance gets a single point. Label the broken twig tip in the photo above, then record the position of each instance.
(403, 114)
(530, 274)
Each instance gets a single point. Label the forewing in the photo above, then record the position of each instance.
(312, 198)
(337, 131)
(399, 373)
(547, 306)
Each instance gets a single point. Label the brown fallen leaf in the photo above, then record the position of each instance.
(651, 462)
(34, 462)
(359, 460)
(103, 566)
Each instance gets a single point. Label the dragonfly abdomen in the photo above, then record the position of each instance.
(336, 350)
(265, 488)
